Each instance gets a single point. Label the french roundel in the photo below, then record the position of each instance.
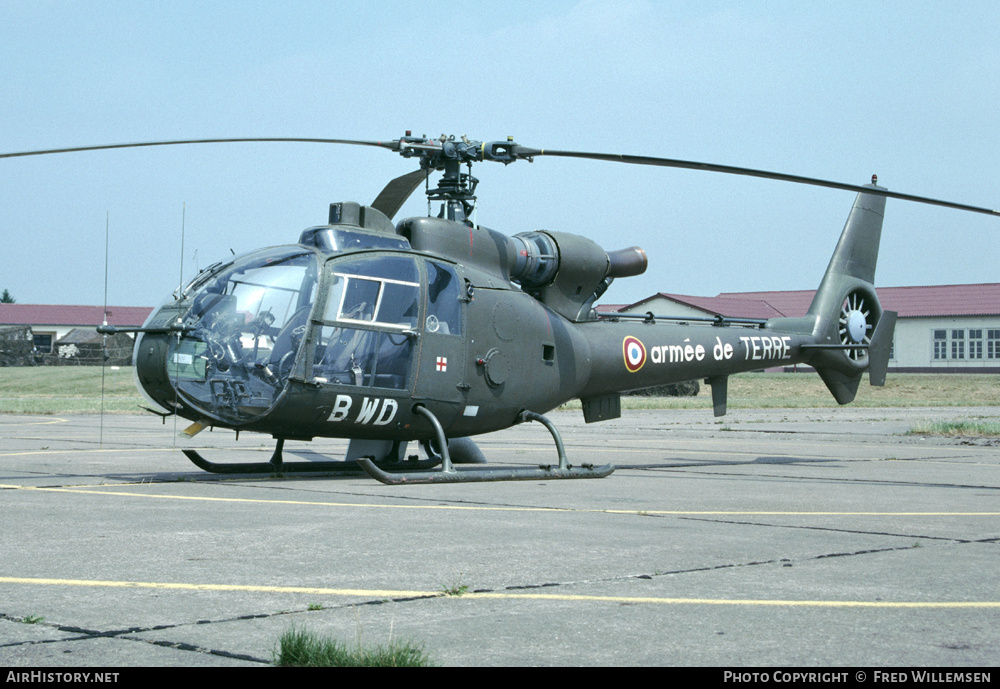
(635, 354)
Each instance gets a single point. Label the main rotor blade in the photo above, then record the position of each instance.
(391, 145)
(408, 145)
(396, 192)
(523, 152)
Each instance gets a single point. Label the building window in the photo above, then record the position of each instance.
(993, 344)
(940, 344)
(43, 343)
(976, 344)
(957, 344)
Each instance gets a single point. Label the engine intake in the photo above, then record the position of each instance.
(564, 271)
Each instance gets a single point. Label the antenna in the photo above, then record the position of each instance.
(104, 338)
(180, 296)
(180, 279)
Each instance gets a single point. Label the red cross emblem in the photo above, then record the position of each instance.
(442, 363)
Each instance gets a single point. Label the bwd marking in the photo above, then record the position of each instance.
(367, 412)
(634, 352)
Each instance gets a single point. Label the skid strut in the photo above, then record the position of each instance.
(448, 473)
(276, 465)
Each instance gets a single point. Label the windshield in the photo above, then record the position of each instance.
(245, 325)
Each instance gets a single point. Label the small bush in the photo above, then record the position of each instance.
(300, 648)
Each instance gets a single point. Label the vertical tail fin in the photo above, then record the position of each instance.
(846, 309)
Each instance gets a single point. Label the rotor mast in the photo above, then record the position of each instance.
(456, 189)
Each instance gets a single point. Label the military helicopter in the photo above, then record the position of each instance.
(437, 329)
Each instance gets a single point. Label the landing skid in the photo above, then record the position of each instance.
(471, 475)
(449, 474)
(276, 465)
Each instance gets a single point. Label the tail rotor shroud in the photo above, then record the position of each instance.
(856, 325)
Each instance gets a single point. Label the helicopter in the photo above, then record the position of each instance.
(438, 329)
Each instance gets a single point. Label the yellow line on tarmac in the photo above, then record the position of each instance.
(373, 593)
(18, 422)
(70, 451)
(401, 593)
(95, 490)
(99, 490)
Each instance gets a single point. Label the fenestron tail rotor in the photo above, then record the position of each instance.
(856, 325)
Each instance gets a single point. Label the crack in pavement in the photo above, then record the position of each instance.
(829, 528)
(84, 634)
(130, 632)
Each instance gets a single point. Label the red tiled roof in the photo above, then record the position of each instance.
(609, 308)
(46, 314)
(909, 302)
(942, 300)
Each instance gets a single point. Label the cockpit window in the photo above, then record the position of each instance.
(383, 290)
(371, 311)
(245, 325)
(444, 314)
(362, 358)
(339, 239)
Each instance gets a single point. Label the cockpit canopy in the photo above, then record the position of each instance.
(292, 312)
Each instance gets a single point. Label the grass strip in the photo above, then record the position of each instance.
(964, 429)
(77, 389)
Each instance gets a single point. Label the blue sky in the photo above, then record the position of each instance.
(836, 90)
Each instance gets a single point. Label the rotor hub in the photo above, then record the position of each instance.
(857, 326)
